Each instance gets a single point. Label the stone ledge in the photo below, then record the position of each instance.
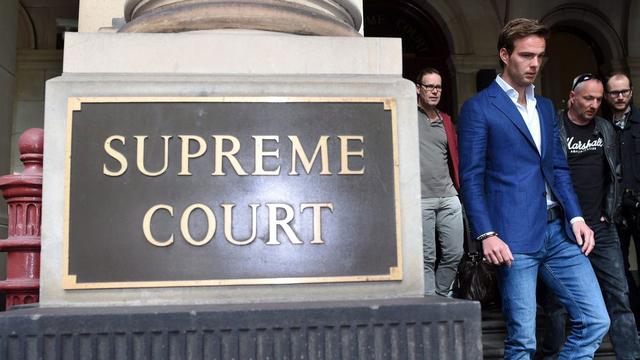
(230, 53)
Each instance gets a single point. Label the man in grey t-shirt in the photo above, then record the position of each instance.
(441, 209)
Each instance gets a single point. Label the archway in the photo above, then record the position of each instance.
(423, 41)
(582, 40)
(571, 52)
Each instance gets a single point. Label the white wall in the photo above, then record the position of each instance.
(95, 14)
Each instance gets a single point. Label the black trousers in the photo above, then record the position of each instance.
(629, 231)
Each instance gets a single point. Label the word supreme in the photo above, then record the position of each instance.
(227, 147)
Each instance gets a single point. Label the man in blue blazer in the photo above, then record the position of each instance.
(517, 191)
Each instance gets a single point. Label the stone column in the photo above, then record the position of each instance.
(165, 55)
(8, 24)
(306, 17)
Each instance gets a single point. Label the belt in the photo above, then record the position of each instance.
(554, 213)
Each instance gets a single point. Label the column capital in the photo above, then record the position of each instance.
(305, 17)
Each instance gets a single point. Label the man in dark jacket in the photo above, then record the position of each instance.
(626, 120)
(590, 146)
(441, 208)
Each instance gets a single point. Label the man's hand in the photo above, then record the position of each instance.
(496, 251)
(584, 236)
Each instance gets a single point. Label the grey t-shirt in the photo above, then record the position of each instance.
(435, 179)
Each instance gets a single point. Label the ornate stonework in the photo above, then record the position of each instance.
(305, 17)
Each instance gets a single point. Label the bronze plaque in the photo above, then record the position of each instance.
(231, 191)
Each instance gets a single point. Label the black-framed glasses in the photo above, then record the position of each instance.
(617, 93)
(582, 78)
(430, 87)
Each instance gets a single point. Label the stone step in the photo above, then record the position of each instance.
(494, 331)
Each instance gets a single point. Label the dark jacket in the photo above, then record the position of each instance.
(452, 144)
(630, 161)
(632, 146)
(613, 192)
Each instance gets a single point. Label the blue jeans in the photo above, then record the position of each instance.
(608, 264)
(568, 273)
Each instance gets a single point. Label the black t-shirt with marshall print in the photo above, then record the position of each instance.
(588, 167)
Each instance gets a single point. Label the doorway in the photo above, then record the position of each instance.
(424, 44)
(571, 52)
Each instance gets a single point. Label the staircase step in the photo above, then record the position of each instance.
(494, 332)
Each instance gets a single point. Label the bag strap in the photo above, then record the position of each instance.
(471, 245)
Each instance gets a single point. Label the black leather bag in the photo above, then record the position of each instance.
(476, 279)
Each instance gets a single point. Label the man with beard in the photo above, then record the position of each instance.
(590, 146)
(626, 120)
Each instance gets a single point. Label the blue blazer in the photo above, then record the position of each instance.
(502, 174)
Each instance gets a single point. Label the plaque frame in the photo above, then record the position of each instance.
(69, 281)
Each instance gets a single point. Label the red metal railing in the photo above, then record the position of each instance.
(23, 193)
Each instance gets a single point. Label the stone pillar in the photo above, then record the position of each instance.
(8, 25)
(271, 63)
(306, 17)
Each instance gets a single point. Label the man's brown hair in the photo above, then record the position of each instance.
(425, 71)
(517, 29)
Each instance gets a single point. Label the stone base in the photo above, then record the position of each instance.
(219, 66)
(417, 328)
